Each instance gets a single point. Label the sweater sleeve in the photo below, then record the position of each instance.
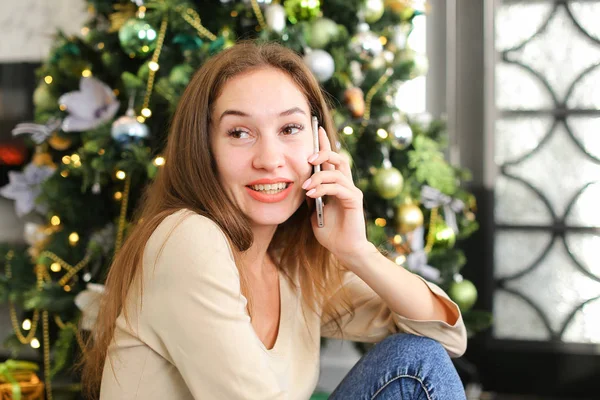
(193, 314)
(373, 320)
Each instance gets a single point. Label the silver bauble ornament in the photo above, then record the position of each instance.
(401, 135)
(127, 129)
(275, 16)
(365, 44)
(320, 63)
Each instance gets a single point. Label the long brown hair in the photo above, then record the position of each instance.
(189, 166)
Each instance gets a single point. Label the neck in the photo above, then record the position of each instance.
(256, 258)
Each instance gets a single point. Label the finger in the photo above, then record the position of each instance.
(325, 177)
(325, 145)
(336, 160)
(340, 192)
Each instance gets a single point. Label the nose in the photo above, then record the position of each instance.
(269, 154)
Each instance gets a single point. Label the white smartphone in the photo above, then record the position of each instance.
(317, 168)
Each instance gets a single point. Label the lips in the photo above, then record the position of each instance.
(270, 198)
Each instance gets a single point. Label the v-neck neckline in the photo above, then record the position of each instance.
(282, 318)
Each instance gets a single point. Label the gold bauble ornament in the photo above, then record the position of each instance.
(59, 143)
(408, 217)
(388, 182)
(355, 101)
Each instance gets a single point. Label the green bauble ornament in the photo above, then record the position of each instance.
(321, 32)
(372, 10)
(444, 235)
(464, 294)
(301, 10)
(388, 182)
(137, 37)
(43, 99)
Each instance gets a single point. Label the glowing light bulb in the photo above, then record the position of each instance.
(73, 238)
(381, 222)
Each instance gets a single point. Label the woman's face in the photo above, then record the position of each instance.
(261, 139)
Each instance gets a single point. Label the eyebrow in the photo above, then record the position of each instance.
(243, 114)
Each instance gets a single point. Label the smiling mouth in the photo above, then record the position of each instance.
(272, 188)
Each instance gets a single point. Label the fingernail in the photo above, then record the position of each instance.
(311, 191)
(306, 184)
(313, 157)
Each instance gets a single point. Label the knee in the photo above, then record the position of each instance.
(415, 347)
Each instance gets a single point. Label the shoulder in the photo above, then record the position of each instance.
(186, 234)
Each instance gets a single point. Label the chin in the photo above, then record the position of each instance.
(269, 219)
(271, 215)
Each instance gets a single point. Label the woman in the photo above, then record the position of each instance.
(226, 283)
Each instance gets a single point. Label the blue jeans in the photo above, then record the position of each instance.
(405, 367)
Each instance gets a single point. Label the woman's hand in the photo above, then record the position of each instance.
(344, 233)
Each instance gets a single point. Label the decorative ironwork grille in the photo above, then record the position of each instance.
(547, 153)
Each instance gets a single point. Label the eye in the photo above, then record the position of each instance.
(290, 127)
(238, 134)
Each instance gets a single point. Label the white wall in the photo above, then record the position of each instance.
(27, 26)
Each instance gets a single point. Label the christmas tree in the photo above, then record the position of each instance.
(106, 97)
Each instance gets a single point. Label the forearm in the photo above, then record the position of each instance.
(402, 291)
